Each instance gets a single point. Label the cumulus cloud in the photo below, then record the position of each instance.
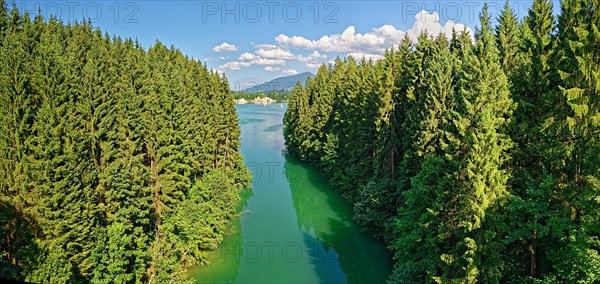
(370, 45)
(264, 46)
(367, 56)
(272, 69)
(312, 60)
(234, 65)
(290, 72)
(348, 41)
(247, 56)
(374, 42)
(267, 61)
(247, 59)
(275, 53)
(426, 22)
(225, 47)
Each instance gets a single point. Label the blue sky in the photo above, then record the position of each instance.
(256, 41)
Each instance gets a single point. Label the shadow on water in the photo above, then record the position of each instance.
(225, 261)
(308, 224)
(325, 216)
(250, 120)
(324, 260)
(273, 128)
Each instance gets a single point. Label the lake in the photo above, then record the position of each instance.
(294, 228)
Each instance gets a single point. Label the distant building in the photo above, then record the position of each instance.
(265, 100)
(241, 101)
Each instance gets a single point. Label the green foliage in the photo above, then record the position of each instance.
(507, 37)
(474, 162)
(117, 164)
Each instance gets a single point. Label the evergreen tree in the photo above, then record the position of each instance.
(528, 207)
(483, 109)
(507, 37)
(574, 124)
(100, 159)
(3, 18)
(320, 97)
(420, 249)
(296, 121)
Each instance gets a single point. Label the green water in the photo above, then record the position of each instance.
(295, 229)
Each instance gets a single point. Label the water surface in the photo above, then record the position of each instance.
(295, 228)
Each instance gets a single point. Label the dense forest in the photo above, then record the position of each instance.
(117, 163)
(475, 160)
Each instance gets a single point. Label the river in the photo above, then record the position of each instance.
(294, 228)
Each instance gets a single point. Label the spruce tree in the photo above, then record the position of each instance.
(101, 152)
(421, 219)
(574, 124)
(483, 108)
(507, 37)
(528, 207)
(321, 96)
(296, 120)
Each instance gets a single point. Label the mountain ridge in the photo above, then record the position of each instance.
(280, 83)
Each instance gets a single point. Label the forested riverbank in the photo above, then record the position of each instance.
(117, 163)
(294, 228)
(476, 160)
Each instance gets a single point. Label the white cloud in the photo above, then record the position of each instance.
(247, 59)
(234, 65)
(374, 42)
(225, 47)
(348, 41)
(312, 60)
(370, 45)
(358, 56)
(390, 33)
(266, 61)
(290, 72)
(247, 56)
(275, 53)
(272, 69)
(430, 23)
(264, 46)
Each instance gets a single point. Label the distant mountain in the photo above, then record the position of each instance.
(280, 84)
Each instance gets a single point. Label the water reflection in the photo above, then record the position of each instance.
(225, 262)
(323, 213)
(297, 229)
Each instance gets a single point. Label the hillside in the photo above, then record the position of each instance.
(279, 84)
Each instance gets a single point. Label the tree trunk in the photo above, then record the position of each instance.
(533, 252)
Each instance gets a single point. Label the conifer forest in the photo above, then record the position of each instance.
(473, 158)
(475, 161)
(113, 169)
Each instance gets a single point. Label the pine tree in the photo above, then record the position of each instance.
(574, 124)
(296, 120)
(321, 96)
(3, 18)
(331, 145)
(483, 107)
(348, 115)
(378, 200)
(528, 205)
(507, 37)
(101, 154)
(420, 248)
